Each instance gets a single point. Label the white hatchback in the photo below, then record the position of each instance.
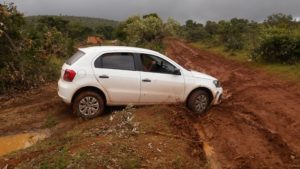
(114, 75)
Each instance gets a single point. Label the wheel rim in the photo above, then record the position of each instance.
(201, 103)
(89, 106)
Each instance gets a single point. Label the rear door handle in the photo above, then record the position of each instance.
(103, 76)
(146, 80)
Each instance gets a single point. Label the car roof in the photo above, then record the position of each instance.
(117, 49)
(100, 49)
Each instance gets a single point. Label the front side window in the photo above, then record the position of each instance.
(155, 64)
(122, 61)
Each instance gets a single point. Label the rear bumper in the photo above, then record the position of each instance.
(65, 91)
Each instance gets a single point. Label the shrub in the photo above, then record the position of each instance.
(234, 43)
(147, 31)
(34, 52)
(278, 48)
(194, 31)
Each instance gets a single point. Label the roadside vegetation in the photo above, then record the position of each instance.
(147, 31)
(34, 48)
(273, 44)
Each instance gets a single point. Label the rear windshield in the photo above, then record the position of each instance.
(75, 57)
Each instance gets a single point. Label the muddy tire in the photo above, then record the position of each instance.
(88, 105)
(199, 101)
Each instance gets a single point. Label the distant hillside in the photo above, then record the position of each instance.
(87, 21)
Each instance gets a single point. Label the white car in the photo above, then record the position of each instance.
(114, 75)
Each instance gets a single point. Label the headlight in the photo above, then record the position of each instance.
(217, 83)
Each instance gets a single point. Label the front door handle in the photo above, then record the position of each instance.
(103, 76)
(146, 80)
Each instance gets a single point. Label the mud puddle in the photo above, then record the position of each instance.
(21, 141)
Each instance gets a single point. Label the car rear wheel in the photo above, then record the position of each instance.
(88, 105)
(199, 101)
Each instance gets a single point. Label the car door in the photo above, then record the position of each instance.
(159, 83)
(116, 73)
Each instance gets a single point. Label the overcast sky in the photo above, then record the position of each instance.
(181, 10)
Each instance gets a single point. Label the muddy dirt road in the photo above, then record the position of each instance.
(162, 135)
(257, 125)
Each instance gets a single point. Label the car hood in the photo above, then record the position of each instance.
(201, 75)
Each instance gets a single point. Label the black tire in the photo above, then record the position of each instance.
(199, 101)
(88, 105)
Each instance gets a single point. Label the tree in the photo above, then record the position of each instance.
(171, 27)
(280, 20)
(232, 33)
(151, 15)
(105, 31)
(152, 28)
(194, 31)
(211, 27)
(140, 31)
(11, 22)
(57, 22)
(79, 32)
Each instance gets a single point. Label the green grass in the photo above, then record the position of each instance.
(51, 121)
(284, 71)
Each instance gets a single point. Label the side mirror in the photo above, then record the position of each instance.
(177, 72)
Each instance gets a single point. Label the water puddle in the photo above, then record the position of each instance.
(20, 141)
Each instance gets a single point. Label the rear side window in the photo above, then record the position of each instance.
(122, 61)
(75, 57)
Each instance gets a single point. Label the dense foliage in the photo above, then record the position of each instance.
(274, 40)
(87, 21)
(34, 48)
(77, 28)
(29, 55)
(278, 47)
(147, 31)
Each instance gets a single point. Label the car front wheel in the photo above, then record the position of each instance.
(199, 101)
(88, 105)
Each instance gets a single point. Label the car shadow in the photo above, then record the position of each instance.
(110, 109)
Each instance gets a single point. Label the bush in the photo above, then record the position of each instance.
(147, 31)
(34, 53)
(278, 48)
(194, 31)
(232, 33)
(234, 43)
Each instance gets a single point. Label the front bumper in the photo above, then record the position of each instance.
(218, 96)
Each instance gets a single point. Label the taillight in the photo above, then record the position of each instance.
(69, 75)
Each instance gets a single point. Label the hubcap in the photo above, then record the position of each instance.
(89, 106)
(201, 103)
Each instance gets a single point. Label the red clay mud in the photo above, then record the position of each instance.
(258, 123)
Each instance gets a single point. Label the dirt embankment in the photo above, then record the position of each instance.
(258, 123)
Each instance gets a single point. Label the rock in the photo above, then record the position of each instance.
(292, 157)
(5, 167)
